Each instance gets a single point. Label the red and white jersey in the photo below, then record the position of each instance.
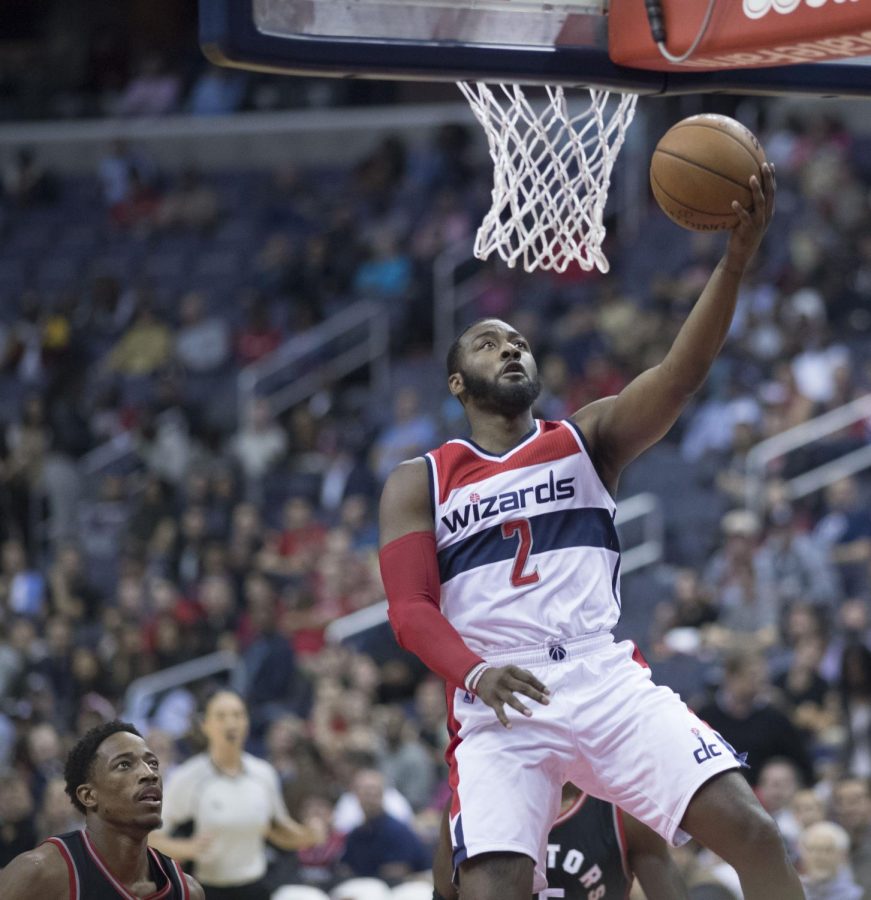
(527, 548)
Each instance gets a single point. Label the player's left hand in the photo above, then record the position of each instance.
(747, 234)
(499, 684)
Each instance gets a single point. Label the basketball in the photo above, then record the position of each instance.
(700, 166)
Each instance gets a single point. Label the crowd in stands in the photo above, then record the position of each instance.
(76, 59)
(133, 298)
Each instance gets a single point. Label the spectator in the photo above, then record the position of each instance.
(144, 348)
(808, 808)
(845, 533)
(295, 550)
(218, 91)
(192, 204)
(22, 588)
(381, 847)
(411, 433)
(824, 851)
(202, 342)
(45, 758)
(746, 603)
(807, 697)
(17, 818)
(319, 866)
(855, 689)
(259, 336)
(26, 182)
(153, 91)
(349, 813)
(56, 814)
(116, 171)
(779, 781)
(71, 592)
(743, 714)
(261, 443)
(268, 677)
(405, 762)
(851, 802)
(791, 565)
(137, 212)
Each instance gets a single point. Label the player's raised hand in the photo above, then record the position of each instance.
(747, 234)
(500, 684)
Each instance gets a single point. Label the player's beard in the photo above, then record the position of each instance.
(506, 398)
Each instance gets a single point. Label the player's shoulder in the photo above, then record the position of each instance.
(41, 872)
(410, 477)
(195, 888)
(588, 417)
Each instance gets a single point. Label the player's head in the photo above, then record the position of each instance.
(490, 365)
(112, 774)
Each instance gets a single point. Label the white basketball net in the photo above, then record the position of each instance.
(551, 174)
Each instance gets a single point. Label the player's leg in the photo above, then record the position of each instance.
(497, 876)
(642, 749)
(725, 816)
(442, 864)
(507, 785)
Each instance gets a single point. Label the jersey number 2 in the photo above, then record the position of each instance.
(521, 528)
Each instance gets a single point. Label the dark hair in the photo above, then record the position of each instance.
(81, 758)
(855, 659)
(453, 358)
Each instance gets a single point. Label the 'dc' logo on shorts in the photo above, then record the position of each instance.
(557, 652)
(756, 9)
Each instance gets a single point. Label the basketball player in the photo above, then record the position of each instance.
(114, 779)
(593, 850)
(501, 565)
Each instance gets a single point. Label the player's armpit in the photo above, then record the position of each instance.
(410, 572)
(39, 873)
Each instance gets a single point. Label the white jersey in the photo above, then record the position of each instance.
(527, 548)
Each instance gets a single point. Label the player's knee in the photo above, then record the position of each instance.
(496, 876)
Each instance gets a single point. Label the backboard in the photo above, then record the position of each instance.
(523, 41)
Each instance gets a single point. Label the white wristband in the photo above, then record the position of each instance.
(474, 676)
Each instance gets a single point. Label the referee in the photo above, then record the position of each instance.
(234, 802)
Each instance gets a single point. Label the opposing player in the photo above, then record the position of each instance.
(114, 779)
(501, 565)
(593, 850)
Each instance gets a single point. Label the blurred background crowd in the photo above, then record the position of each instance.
(149, 518)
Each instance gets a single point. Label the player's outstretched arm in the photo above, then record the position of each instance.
(651, 863)
(39, 873)
(620, 428)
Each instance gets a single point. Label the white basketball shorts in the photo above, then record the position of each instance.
(608, 729)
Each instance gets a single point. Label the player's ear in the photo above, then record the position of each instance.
(456, 385)
(87, 796)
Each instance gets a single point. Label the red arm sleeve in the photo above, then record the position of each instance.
(410, 572)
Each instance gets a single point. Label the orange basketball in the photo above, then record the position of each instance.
(700, 166)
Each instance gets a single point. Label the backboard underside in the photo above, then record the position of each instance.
(449, 40)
